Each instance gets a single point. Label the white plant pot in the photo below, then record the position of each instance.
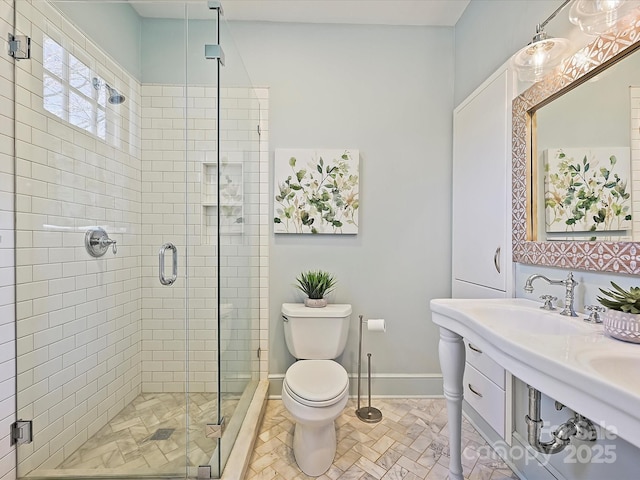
(622, 326)
(315, 302)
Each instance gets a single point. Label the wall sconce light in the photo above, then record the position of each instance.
(595, 17)
(540, 56)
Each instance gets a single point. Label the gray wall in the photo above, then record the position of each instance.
(387, 91)
(491, 31)
(116, 27)
(165, 53)
(173, 52)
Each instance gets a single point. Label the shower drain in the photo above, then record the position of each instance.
(162, 434)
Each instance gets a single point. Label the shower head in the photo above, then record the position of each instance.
(115, 98)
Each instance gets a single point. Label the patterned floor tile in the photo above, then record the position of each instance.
(410, 443)
(126, 441)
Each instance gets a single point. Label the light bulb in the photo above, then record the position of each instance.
(534, 61)
(599, 16)
(607, 5)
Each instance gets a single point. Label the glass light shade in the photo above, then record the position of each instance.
(537, 59)
(595, 17)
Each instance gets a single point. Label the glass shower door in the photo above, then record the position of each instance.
(116, 370)
(128, 151)
(239, 233)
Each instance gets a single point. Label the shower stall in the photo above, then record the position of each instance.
(141, 230)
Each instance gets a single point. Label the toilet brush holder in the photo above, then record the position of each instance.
(367, 414)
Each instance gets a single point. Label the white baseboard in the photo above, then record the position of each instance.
(390, 385)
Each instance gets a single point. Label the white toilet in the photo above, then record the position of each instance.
(315, 388)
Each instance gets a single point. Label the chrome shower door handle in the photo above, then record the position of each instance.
(174, 272)
(496, 259)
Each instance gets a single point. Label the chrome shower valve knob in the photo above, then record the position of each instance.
(97, 242)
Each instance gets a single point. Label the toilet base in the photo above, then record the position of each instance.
(314, 447)
(314, 437)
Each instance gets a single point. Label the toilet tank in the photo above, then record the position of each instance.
(316, 333)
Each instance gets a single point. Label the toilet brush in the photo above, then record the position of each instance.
(367, 414)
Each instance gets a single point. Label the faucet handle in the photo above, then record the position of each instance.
(548, 302)
(594, 316)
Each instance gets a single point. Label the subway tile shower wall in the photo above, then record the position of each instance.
(172, 173)
(78, 317)
(93, 333)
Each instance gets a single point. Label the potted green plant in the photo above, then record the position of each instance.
(622, 318)
(315, 284)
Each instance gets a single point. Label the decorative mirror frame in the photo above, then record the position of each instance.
(619, 257)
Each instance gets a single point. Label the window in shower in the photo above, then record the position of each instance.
(68, 90)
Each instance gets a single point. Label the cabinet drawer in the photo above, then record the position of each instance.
(484, 364)
(485, 397)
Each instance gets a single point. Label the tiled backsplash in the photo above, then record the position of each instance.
(95, 332)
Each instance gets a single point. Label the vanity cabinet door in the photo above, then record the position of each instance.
(483, 363)
(487, 398)
(482, 186)
(488, 390)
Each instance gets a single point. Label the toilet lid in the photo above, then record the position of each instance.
(316, 381)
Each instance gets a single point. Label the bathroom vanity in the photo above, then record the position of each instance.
(563, 357)
(487, 386)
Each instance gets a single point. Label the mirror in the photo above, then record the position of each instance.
(579, 118)
(584, 188)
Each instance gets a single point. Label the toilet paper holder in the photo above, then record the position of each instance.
(368, 414)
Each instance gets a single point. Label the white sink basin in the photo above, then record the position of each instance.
(566, 358)
(615, 367)
(527, 317)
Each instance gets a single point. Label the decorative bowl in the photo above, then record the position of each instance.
(621, 325)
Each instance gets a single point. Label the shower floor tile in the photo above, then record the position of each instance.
(411, 442)
(127, 442)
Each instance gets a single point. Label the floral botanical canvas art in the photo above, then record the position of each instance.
(587, 189)
(316, 191)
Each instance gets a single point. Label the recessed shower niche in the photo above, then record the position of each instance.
(225, 199)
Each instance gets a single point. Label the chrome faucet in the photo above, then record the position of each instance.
(569, 284)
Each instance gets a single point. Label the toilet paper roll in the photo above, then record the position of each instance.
(376, 325)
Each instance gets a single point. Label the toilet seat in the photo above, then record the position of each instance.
(316, 383)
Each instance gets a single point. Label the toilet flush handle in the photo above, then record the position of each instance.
(284, 318)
